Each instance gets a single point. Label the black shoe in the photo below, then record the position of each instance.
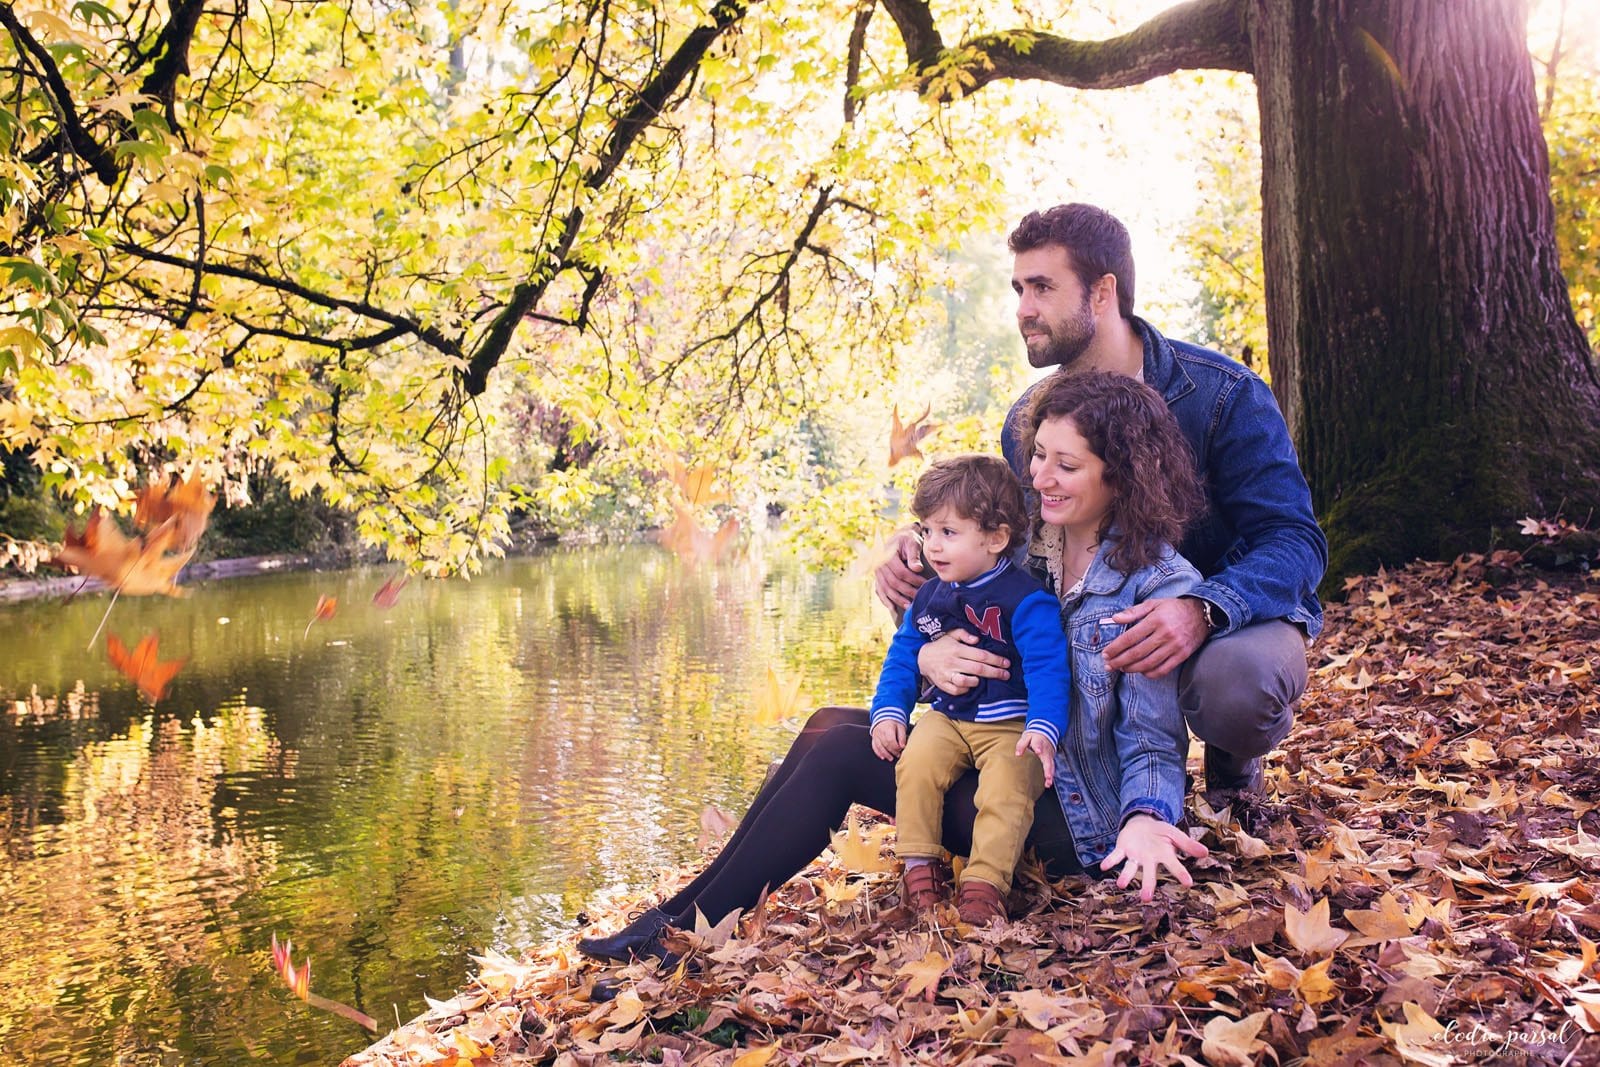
(605, 990)
(1228, 773)
(630, 941)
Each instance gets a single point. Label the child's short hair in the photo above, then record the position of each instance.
(979, 488)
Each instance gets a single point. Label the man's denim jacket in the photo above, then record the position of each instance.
(1258, 545)
(1125, 745)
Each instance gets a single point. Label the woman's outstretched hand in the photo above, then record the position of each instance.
(1147, 844)
(954, 665)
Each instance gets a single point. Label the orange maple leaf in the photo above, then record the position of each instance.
(326, 606)
(143, 666)
(903, 438)
(299, 983)
(136, 566)
(186, 502)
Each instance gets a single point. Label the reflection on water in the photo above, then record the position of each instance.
(394, 791)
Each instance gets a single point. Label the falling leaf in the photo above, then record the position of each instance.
(903, 439)
(924, 974)
(862, 851)
(187, 504)
(778, 699)
(691, 542)
(388, 593)
(143, 666)
(715, 824)
(698, 486)
(131, 566)
(299, 983)
(1226, 1043)
(1310, 931)
(326, 606)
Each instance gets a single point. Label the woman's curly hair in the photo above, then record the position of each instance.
(1148, 465)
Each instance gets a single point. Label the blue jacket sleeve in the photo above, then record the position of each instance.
(1258, 488)
(1150, 731)
(899, 682)
(1042, 643)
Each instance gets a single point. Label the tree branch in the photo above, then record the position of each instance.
(83, 144)
(403, 325)
(645, 108)
(1201, 34)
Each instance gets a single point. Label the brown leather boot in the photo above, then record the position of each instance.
(924, 886)
(979, 903)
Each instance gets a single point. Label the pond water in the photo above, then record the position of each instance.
(394, 790)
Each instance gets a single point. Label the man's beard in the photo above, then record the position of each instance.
(1065, 343)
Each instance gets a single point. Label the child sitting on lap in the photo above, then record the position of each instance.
(972, 516)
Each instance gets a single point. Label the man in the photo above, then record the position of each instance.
(1239, 639)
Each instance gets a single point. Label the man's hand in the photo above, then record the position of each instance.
(952, 664)
(1144, 846)
(898, 578)
(1039, 744)
(889, 739)
(1160, 635)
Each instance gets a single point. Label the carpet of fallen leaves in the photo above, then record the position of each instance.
(1423, 890)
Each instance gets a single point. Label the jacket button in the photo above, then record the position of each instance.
(1076, 798)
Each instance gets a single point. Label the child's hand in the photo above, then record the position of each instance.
(1041, 747)
(889, 739)
(1144, 846)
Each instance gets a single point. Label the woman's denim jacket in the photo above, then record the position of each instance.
(1126, 743)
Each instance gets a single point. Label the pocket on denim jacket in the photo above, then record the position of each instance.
(1089, 639)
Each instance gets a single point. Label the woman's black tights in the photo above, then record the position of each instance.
(830, 766)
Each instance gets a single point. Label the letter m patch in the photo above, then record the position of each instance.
(989, 625)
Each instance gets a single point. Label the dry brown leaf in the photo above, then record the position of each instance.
(923, 974)
(132, 566)
(187, 504)
(1310, 931)
(1229, 1043)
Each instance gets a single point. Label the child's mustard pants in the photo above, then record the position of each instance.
(938, 752)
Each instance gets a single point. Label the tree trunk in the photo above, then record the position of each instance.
(1422, 345)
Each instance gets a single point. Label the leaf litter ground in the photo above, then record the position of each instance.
(1422, 889)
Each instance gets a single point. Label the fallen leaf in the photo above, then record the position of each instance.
(1310, 931)
(757, 1057)
(861, 850)
(924, 974)
(143, 666)
(1416, 1038)
(1387, 922)
(903, 438)
(1227, 1043)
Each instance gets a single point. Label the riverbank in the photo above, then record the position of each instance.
(16, 590)
(1423, 890)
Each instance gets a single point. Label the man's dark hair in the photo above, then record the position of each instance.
(1148, 465)
(1096, 242)
(981, 489)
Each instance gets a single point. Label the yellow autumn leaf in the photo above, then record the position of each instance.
(1310, 931)
(778, 698)
(756, 1057)
(861, 850)
(1279, 973)
(838, 891)
(924, 974)
(1387, 922)
(1315, 985)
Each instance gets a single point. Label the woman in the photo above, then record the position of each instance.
(1115, 484)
